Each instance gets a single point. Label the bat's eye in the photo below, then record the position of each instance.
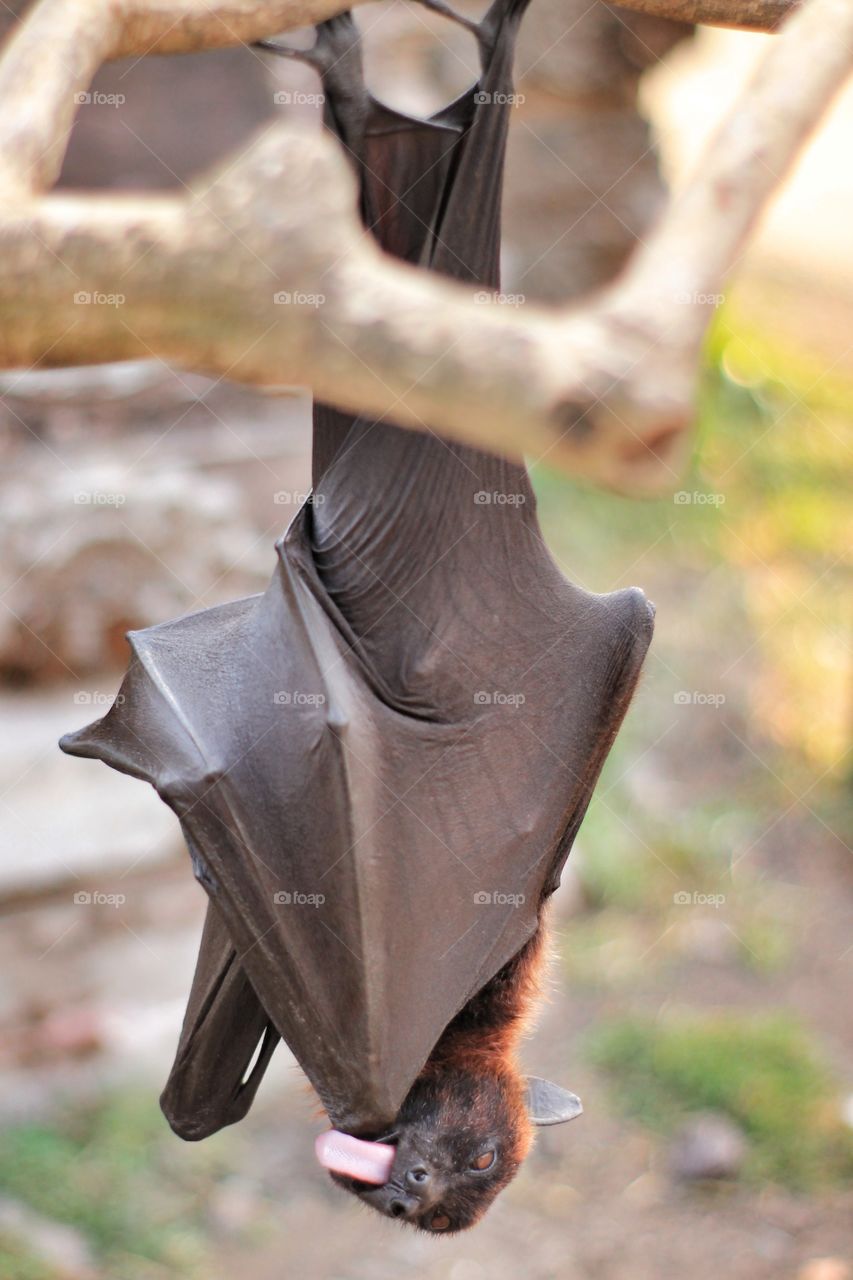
(484, 1161)
(439, 1222)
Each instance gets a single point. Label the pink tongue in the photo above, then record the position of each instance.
(367, 1161)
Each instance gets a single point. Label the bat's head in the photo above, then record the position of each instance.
(459, 1138)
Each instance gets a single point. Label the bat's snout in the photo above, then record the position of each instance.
(395, 1202)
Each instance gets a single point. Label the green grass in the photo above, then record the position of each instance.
(110, 1171)
(762, 1072)
(635, 859)
(18, 1265)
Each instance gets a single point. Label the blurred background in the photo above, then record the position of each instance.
(701, 983)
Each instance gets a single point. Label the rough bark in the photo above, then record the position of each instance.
(604, 389)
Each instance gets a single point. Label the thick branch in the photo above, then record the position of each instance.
(749, 15)
(189, 26)
(605, 389)
(64, 42)
(267, 276)
(703, 232)
(67, 40)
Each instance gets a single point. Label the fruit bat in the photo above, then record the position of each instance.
(380, 763)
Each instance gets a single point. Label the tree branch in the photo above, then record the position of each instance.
(264, 274)
(65, 42)
(749, 15)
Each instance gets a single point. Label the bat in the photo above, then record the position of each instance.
(381, 762)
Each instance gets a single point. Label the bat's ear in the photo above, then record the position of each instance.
(548, 1103)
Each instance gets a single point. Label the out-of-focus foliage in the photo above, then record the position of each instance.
(762, 1072)
(113, 1171)
(727, 792)
(770, 512)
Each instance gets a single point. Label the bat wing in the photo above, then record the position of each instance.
(210, 1084)
(372, 867)
(379, 764)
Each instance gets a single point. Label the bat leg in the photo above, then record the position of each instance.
(334, 39)
(284, 50)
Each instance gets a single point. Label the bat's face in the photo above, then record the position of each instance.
(459, 1140)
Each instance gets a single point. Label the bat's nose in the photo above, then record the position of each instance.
(409, 1197)
(403, 1206)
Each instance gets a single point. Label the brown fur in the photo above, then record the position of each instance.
(468, 1102)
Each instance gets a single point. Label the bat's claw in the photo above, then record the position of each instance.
(335, 38)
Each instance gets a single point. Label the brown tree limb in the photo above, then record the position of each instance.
(81, 34)
(604, 389)
(748, 15)
(62, 43)
(189, 26)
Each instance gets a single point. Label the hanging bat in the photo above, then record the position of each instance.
(380, 764)
(467, 1122)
